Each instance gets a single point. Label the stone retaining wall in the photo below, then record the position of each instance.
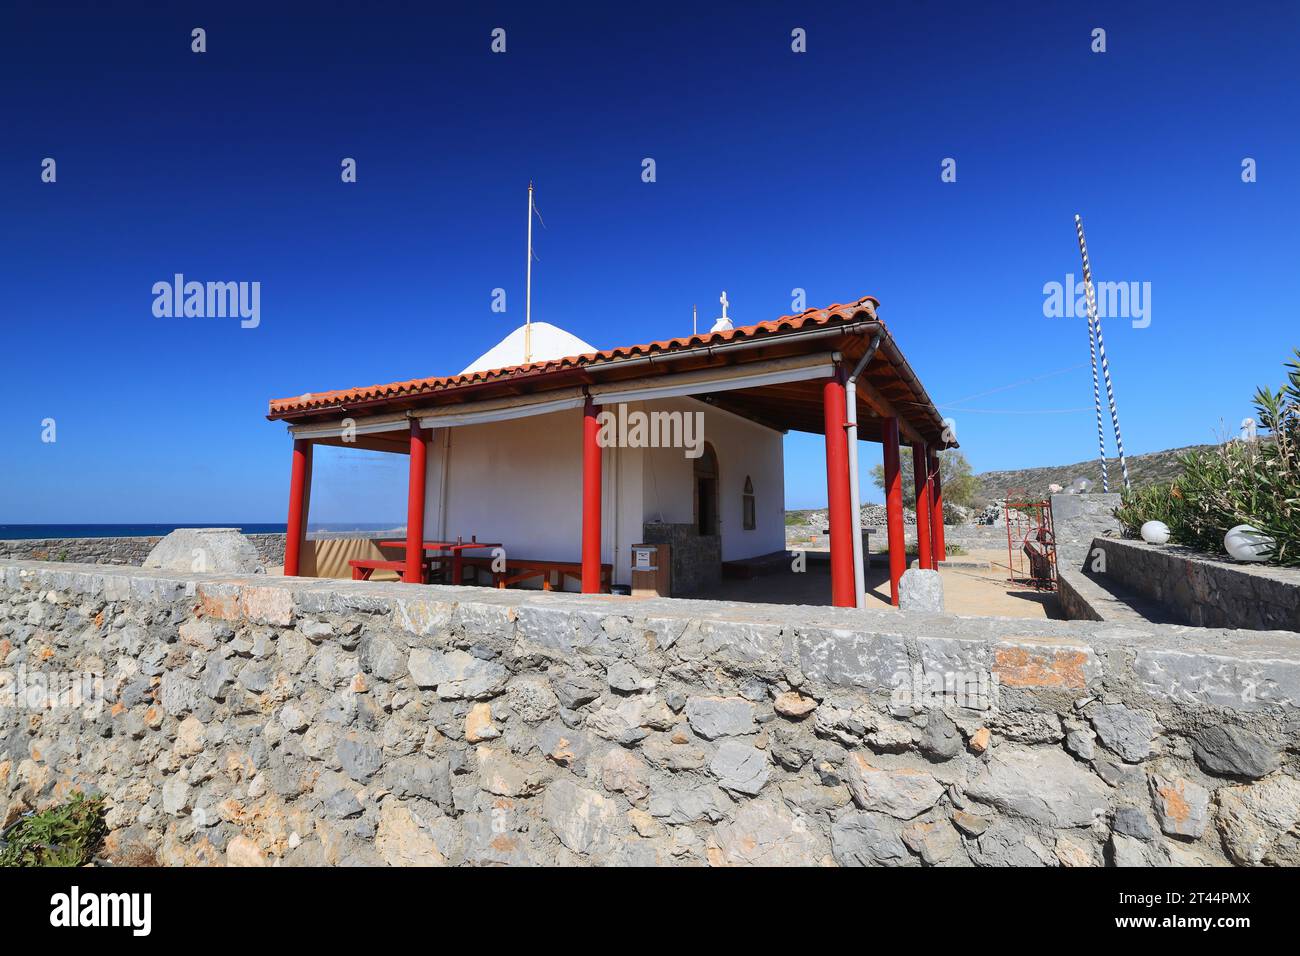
(260, 720)
(128, 551)
(1197, 589)
(1079, 598)
(1077, 519)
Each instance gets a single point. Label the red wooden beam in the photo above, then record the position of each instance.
(894, 506)
(840, 509)
(936, 508)
(921, 474)
(299, 483)
(590, 499)
(414, 573)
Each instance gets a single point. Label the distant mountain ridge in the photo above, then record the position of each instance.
(1149, 469)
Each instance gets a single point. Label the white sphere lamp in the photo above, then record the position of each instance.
(1245, 543)
(1155, 532)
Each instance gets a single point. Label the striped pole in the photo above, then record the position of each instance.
(1093, 318)
(1092, 351)
(1114, 411)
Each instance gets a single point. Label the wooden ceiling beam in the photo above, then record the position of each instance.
(885, 408)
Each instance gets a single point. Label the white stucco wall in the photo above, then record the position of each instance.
(520, 482)
(743, 448)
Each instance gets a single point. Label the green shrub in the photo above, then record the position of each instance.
(66, 835)
(1237, 482)
(1278, 494)
(1140, 505)
(1218, 489)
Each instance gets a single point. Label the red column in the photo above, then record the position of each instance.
(838, 498)
(894, 506)
(936, 508)
(590, 500)
(921, 474)
(299, 485)
(414, 573)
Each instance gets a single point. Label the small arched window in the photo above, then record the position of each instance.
(750, 513)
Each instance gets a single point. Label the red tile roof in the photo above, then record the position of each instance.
(864, 307)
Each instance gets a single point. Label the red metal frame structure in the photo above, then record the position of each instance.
(738, 370)
(1029, 526)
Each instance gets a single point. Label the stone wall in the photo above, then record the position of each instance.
(696, 558)
(1080, 599)
(128, 551)
(260, 720)
(1189, 587)
(1077, 519)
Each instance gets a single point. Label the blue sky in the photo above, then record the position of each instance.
(775, 171)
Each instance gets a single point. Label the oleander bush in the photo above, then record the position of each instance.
(1279, 475)
(1254, 481)
(1138, 505)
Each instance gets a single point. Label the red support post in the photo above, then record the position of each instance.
(936, 508)
(414, 572)
(921, 474)
(838, 497)
(591, 499)
(299, 486)
(893, 506)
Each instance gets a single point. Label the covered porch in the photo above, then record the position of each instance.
(834, 372)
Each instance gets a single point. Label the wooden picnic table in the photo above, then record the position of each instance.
(435, 548)
(552, 573)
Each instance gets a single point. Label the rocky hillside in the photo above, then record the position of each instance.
(1143, 470)
(993, 486)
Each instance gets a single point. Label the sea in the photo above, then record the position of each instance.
(29, 531)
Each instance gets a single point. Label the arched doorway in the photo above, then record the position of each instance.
(707, 512)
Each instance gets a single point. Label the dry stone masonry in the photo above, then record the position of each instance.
(254, 720)
(126, 551)
(1121, 578)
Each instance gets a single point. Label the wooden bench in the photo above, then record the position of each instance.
(552, 573)
(362, 568)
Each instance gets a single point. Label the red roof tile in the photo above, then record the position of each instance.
(843, 313)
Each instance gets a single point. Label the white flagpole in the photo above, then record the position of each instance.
(528, 286)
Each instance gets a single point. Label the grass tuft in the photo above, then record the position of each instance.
(67, 835)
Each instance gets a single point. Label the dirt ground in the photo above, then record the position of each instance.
(980, 591)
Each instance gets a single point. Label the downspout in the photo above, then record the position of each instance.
(446, 480)
(855, 495)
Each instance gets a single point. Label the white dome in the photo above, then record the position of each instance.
(548, 343)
